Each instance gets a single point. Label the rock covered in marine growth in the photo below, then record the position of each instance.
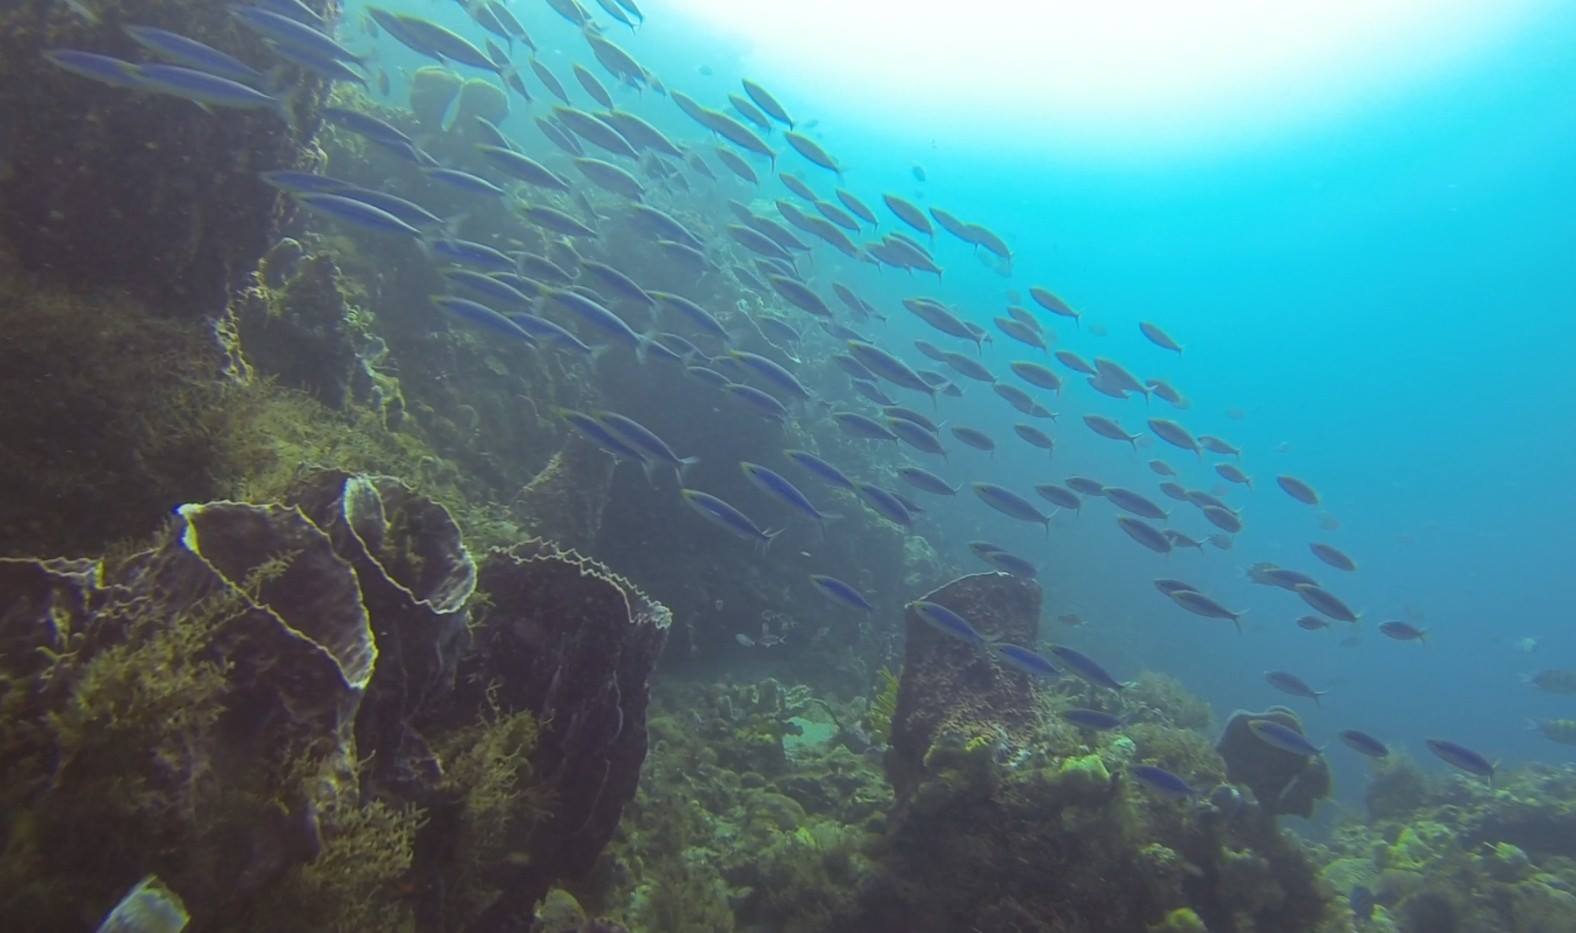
(416, 577)
(574, 644)
(565, 500)
(190, 711)
(298, 332)
(1283, 782)
(955, 689)
(139, 193)
(271, 685)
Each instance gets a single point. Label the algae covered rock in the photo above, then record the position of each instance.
(150, 195)
(1282, 782)
(198, 718)
(574, 645)
(432, 91)
(949, 687)
(482, 98)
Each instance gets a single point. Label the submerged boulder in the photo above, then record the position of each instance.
(954, 689)
(574, 645)
(1282, 782)
(194, 713)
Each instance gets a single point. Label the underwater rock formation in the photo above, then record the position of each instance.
(415, 578)
(1282, 782)
(951, 688)
(157, 198)
(300, 335)
(573, 644)
(274, 686)
(193, 716)
(565, 501)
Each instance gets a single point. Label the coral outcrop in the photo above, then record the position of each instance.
(954, 689)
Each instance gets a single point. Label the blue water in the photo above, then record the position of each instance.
(1381, 299)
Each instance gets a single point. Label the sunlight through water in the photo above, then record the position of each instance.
(1119, 75)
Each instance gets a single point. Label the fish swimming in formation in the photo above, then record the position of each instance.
(1403, 631)
(946, 621)
(727, 517)
(840, 592)
(1086, 668)
(1284, 737)
(1025, 660)
(1462, 758)
(1162, 782)
(1364, 744)
(1292, 684)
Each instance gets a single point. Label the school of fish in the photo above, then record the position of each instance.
(780, 216)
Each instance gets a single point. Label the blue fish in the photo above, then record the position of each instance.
(926, 481)
(1459, 756)
(597, 433)
(946, 621)
(488, 288)
(553, 334)
(1284, 737)
(1025, 660)
(101, 68)
(598, 317)
(1086, 668)
(694, 314)
(862, 426)
(1093, 719)
(885, 503)
(1162, 782)
(357, 214)
(479, 314)
(464, 182)
(1365, 744)
(181, 50)
(366, 125)
(296, 10)
(1011, 504)
(1011, 563)
(286, 33)
(822, 470)
(408, 211)
(773, 373)
(889, 367)
(470, 253)
(838, 591)
(208, 90)
(294, 182)
(643, 439)
(726, 516)
(915, 436)
(764, 403)
(775, 484)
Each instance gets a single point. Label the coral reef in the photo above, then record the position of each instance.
(1453, 854)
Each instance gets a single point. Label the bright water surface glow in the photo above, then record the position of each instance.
(1124, 75)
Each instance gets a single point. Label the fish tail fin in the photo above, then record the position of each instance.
(768, 536)
(683, 467)
(650, 469)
